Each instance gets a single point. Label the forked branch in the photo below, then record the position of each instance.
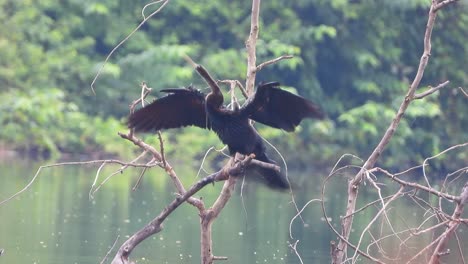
(353, 186)
(155, 226)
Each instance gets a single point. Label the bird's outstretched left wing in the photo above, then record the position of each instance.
(181, 107)
(278, 108)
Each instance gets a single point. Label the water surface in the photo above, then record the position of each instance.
(55, 221)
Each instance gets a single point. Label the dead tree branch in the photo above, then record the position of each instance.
(452, 226)
(166, 166)
(236, 83)
(145, 19)
(207, 218)
(353, 186)
(463, 91)
(155, 225)
(431, 90)
(251, 45)
(418, 186)
(91, 162)
(273, 61)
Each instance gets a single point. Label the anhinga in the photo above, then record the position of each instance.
(270, 105)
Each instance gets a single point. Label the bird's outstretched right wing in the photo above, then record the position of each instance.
(278, 108)
(181, 107)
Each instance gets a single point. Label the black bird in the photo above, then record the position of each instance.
(270, 105)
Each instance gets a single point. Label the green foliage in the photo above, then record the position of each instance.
(44, 123)
(356, 59)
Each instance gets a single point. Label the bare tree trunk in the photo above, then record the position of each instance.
(340, 251)
(207, 218)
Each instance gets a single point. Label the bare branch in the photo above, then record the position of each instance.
(443, 3)
(353, 186)
(460, 251)
(236, 83)
(370, 204)
(330, 225)
(164, 3)
(418, 186)
(294, 249)
(266, 63)
(92, 162)
(437, 155)
(431, 90)
(168, 168)
(452, 226)
(208, 217)
(382, 210)
(251, 45)
(298, 214)
(109, 251)
(145, 90)
(161, 148)
(155, 225)
(463, 91)
(139, 179)
(93, 190)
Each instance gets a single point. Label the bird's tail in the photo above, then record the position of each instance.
(271, 177)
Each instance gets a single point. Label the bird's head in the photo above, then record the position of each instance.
(215, 98)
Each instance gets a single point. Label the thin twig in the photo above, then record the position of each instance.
(161, 149)
(298, 214)
(266, 63)
(437, 155)
(382, 210)
(330, 225)
(92, 162)
(294, 249)
(140, 177)
(110, 250)
(431, 90)
(418, 186)
(120, 170)
(443, 3)
(460, 248)
(463, 91)
(145, 90)
(237, 84)
(452, 226)
(353, 186)
(164, 3)
(168, 168)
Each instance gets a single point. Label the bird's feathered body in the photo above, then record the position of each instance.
(270, 105)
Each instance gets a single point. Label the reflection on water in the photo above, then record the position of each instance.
(56, 222)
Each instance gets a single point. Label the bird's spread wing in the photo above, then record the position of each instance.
(181, 107)
(278, 108)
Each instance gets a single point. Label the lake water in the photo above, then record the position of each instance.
(56, 222)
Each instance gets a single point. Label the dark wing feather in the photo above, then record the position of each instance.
(278, 108)
(181, 107)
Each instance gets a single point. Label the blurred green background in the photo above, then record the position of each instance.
(355, 58)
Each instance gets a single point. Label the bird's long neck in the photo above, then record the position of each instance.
(215, 98)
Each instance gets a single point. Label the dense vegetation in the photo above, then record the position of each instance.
(355, 58)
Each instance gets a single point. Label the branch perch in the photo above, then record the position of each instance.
(431, 90)
(353, 186)
(155, 225)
